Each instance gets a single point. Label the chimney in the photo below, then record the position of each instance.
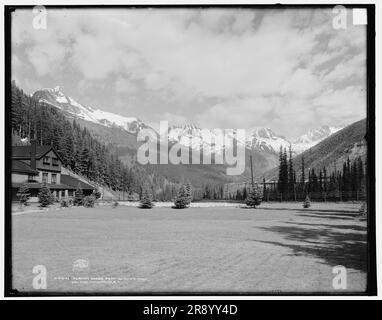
(33, 154)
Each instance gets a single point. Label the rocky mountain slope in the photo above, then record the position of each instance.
(333, 151)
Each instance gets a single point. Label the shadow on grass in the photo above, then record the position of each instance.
(317, 214)
(335, 247)
(348, 226)
(309, 210)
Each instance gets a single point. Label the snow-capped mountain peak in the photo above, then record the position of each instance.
(58, 99)
(313, 137)
(263, 139)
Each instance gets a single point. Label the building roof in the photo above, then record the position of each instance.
(67, 183)
(22, 167)
(23, 152)
(73, 182)
(37, 185)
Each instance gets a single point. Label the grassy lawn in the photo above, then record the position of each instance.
(276, 248)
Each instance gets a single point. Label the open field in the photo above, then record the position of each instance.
(276, 248)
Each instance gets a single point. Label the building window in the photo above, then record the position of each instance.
(31, 178)
(44, 177)
(45, 160)
(54, 178)
(55, 162)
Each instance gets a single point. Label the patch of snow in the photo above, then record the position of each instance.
(61, 99)
(121, 121)
(313, 137)
(52, 104)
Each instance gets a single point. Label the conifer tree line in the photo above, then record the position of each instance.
(79, 151)
(346, 184)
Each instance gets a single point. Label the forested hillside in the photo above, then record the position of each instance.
(332, 152)
(80, 151)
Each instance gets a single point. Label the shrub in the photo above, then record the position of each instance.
(254, 198)
(182, 199)
(23, 194)
(88, 201)
(45, 197)
(96, 194)
(115, 204)
(79, 196)
(146, 199)
(306, 203)
(65, 203)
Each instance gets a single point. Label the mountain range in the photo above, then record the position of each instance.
(261, 139)
(324, 146)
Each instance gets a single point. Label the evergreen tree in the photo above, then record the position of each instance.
(182, 198)
(85, 162)
(254, 198)
(283, 171)
(303, 172)
(325, 186)
(346, 180)
(188, 187)
(290, 171)
(17, 109)
(146, 201)
(23, 194)
(239, 196)
(79, 196)
(306, 203)
(45, 197)
(360, 172)
(65, 147)
(314, 178)
(264, 188)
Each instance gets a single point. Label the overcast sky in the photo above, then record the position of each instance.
(288, 70)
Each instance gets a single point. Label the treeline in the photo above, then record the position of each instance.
(219, 192)
(79, 151)
(346, 184)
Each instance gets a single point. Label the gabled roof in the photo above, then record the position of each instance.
(23, 152)
(22, 167)
(73, 182)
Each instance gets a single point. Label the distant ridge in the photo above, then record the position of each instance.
(333, 151)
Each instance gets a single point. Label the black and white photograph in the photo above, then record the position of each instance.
(190, 150)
